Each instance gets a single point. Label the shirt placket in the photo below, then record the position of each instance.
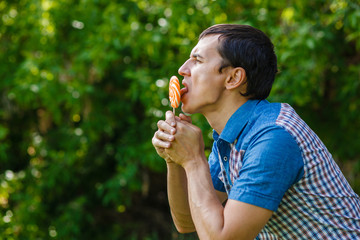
(224, 164)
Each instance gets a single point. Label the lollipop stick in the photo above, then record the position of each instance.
(174, 111)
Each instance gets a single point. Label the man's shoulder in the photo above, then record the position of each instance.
(265, 114)
(268, 114)
(271, 119)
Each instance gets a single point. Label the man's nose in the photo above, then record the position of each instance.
(184, 70)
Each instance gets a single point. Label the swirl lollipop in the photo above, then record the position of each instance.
(174, 92)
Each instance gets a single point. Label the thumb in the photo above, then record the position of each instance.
(170, 118)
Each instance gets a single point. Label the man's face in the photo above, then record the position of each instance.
(204, 85)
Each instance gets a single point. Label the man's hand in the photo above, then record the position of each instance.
(164, 136)
(188, 144)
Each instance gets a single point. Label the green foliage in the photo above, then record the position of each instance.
(83, 84)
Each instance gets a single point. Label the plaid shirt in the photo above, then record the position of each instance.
(318, 205)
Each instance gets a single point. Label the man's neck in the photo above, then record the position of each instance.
(219, 117)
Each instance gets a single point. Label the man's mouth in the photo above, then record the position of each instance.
(183, 91)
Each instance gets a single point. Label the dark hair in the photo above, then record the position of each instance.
(247, 47)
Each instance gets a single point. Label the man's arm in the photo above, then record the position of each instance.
(237, 220)
(176, 177)
(178, 198)
(193, 200)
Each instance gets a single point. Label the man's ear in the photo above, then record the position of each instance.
(236, 78)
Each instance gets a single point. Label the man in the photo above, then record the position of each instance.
(279, 180)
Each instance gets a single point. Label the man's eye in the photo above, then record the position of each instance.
(195, 59)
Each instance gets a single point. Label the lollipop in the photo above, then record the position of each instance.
(174, 92)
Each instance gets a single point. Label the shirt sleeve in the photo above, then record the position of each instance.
(215, 170)
(272, 164)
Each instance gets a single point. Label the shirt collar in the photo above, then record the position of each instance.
(237, 122)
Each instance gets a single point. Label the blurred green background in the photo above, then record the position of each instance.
(83, 83)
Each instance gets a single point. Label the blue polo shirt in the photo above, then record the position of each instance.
(253, 159)
(269, 157)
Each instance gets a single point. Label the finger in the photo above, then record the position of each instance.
(185, 118)
(158, 144)
(165, 127)
(163, 136)
(170, 118)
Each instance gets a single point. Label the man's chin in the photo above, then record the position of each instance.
(185, 110)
